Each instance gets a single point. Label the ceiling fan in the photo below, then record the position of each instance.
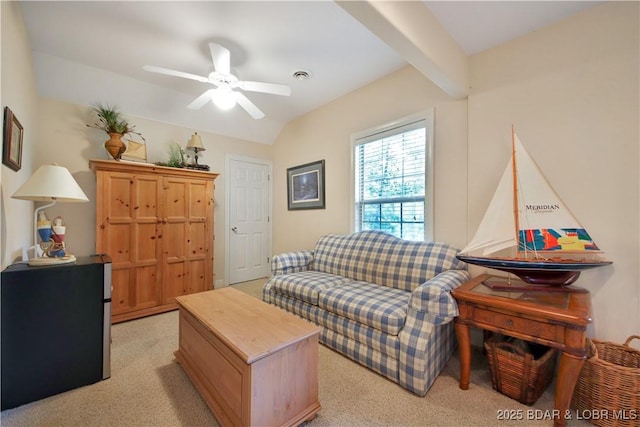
(224, 95)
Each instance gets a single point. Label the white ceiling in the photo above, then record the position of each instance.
(89, 52)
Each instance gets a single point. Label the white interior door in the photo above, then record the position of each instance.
(249, 230)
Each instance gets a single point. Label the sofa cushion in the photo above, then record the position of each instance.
(370, 337)
(377, 257)
(305, 285)
(379, 307)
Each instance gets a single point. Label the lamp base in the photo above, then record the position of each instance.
(41, 261)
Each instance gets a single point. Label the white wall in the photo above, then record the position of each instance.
(18, 92)
(571, 91)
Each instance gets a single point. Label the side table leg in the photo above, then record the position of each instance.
(568, 372)
(464, 349)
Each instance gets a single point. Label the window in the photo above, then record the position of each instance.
(393, 179)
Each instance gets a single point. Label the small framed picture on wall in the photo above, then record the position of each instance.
(305, 186)
(13, 135)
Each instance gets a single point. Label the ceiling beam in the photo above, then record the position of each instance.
(413, 31)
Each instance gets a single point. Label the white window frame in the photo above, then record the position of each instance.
(428, 117)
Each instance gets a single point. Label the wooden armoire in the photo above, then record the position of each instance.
(156, 223)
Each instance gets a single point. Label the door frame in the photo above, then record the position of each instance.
(227, 205)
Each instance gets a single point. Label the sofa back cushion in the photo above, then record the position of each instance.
(378, 257)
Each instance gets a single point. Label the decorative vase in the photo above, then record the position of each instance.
(115, 146)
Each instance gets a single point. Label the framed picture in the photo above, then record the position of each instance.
(305, 186)
(12, 147)
(135, 152)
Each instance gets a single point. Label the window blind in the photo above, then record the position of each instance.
(390, 181)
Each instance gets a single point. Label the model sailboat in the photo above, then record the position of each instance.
(528, 231)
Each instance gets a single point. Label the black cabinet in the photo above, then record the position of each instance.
(55, 328)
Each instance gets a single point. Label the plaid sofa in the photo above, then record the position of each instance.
(382, 301)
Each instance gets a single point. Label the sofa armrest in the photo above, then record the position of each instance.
(291, 262)
(434, 296)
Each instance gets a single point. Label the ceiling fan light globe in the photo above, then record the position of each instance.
(223, 98)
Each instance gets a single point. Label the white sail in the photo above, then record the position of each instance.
(497, 228)
(545, 223)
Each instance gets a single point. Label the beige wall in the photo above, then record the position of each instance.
(56, 132)
(571, 91)
(18, 92)
(64, 138)
(326, 134)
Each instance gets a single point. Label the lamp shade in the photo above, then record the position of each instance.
(195, 143)
(51, 183)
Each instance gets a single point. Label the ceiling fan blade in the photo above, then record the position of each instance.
(221, 58)
(249, 106)
(201, 100)
(175, 73)
(273, 88)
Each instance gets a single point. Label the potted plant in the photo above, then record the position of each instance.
(112, 122)
(176, 157)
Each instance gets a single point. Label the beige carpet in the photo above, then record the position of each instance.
(147, 388)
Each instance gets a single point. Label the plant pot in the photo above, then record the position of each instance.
(115, 146)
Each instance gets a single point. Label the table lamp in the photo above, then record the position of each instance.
(50, 183)
(195, 144)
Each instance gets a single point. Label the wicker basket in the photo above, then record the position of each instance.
(516, 372)
(608, 388)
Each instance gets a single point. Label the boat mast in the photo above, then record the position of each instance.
(516, 215)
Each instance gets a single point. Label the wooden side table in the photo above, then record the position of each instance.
(556, 319)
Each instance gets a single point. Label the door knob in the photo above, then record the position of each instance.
(234, 229)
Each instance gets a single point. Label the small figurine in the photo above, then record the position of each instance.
(57, 248)
(44, 230)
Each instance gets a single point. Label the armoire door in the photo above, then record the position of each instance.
(187, 237)
(129, 234)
